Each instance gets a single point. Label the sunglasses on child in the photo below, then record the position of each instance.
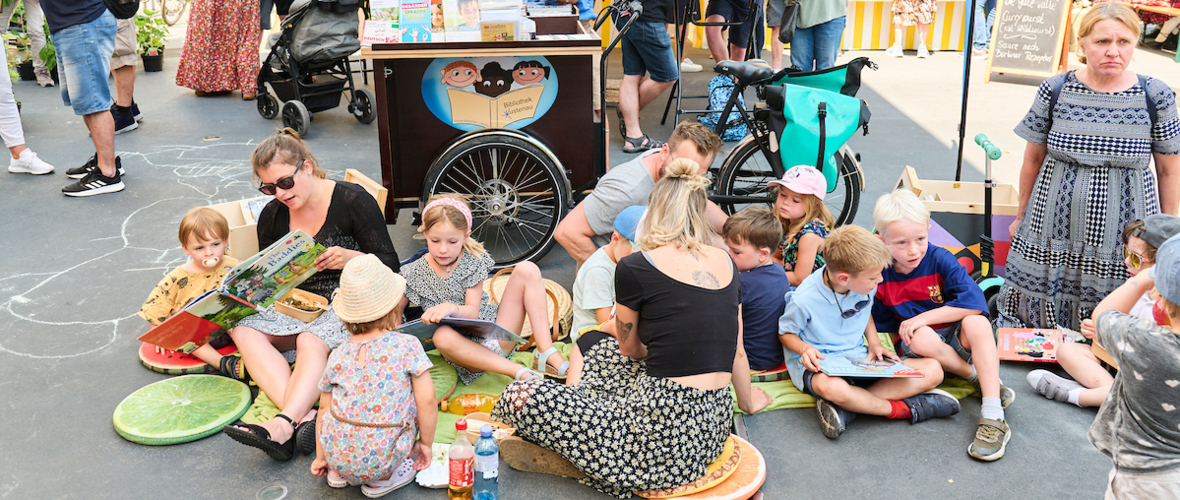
(284, 183)
(848, 313)
(1136, 259)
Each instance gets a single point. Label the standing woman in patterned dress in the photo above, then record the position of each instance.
(221, 48)
(1085, 177)
(652, 409)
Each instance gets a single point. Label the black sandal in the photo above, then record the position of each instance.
(232, 367)
(622, 123)
(258, 437)
(643, 143)
(305, 440)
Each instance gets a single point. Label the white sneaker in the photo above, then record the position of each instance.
(29, 163)
(923, 53)
(979, 53)
(401, 476)
(687, 66)
(894, 51)
(43, 78)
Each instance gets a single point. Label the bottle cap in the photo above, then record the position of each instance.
(461, 425)
(485, 431)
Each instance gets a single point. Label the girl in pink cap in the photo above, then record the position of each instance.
(806, 221)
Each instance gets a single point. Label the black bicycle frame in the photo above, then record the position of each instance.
(762, 136)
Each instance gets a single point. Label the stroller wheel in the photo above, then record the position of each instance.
(296, 116)
(362, 106)
(268, 106)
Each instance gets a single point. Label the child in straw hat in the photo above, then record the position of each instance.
(380, 416)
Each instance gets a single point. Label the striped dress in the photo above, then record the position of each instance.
(1066, 254)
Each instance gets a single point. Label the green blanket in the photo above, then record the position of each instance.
(783, 393)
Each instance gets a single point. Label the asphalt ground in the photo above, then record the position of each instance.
(76, 270)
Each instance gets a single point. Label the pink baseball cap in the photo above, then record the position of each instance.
(803, 179)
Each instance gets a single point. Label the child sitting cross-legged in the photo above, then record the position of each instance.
(1138, 426)
(1140, 241)
(379, 421)
(751, 236)
(937, 311)
(594, 286)
(204, 236)
(828, 315)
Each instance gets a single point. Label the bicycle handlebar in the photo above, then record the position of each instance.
(992, 151)
(620, 9)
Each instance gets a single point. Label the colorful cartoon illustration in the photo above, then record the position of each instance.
(1029, 344)
(496, 80)
(461, 74)
(529, 72)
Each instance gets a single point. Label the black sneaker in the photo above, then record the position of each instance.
(124, 121)
(832, 419)
(134, 111)
(94, 183)
(935, 403)
(92, 165)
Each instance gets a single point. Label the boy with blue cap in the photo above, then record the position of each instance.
(1138, 426)
(594, 286)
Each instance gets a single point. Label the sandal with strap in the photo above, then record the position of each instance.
(644, 143)
(543, 358)
(258, 437)
(305, 440)
(526, 373)
(232, 367)
(528, 457)
(622, 124)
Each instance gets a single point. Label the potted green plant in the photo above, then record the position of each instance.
(150, 33)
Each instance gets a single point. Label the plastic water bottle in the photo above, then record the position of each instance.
(460, 459)
(487, 465)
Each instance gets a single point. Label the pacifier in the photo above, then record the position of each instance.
(210, 262)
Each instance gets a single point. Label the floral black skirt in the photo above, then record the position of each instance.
(625, 430)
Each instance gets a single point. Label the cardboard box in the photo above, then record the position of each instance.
(243, 237)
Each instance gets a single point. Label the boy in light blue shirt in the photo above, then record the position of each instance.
(829, 315)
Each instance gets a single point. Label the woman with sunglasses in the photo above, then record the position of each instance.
(340, 216)
(652, 409)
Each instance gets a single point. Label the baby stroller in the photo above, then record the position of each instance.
(308, 68)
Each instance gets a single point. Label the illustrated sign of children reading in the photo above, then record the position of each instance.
(475, 93)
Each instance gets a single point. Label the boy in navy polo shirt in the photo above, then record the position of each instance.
(751, 236)
(937, 311)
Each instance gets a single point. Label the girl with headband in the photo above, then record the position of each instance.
(448, 281)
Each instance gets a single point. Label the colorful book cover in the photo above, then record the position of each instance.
(461, 19)
(253, 285)
(383, 22)
(415, 21)
(468, 327)
(1030, 344)
(252, 208)
(499, 25)
(438, 30)
(499, 111)
(839, 366)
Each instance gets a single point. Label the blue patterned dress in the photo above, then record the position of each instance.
(1066, 254)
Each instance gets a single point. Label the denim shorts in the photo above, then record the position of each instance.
(736, 11)
(647, 49)
(861, 382)
(84, 63)
(949, 335)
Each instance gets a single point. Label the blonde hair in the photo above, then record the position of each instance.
(287, 148)
(203, 222)
(452, 215)
(899, 205)
(816, 210)
(1101, 12)
(755, 225)
(854, 250)
(390, 321)
(676, 209)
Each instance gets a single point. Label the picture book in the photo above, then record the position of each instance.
(499, 25)
(461, 20)
(383, 23)
(1030, 344)
(467, 327)
(415, 21)
(484, 111)
(840, 366)
(253, 285)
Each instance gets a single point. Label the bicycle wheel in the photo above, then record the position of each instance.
(746, 172)
(171, 10)
(517, 190)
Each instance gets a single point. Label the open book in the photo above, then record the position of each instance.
(840, 366)
(467, 327)
(1030, 344)
(253, 285)
(477, 109)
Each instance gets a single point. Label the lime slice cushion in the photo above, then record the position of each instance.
(181, 409)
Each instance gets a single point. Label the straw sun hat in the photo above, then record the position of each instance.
(368, 290)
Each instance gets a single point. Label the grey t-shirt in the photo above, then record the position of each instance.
(1138, 425)
(625, 185)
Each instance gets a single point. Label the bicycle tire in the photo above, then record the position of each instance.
(746, 172)
(517, 189)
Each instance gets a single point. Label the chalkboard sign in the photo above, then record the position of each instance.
(1029, 37)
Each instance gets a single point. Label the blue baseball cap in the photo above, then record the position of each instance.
(1166, 270)
(628, 221)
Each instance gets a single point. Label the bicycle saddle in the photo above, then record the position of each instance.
(746, 72)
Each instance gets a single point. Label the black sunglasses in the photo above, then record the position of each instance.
(284, 183)
(849, 312)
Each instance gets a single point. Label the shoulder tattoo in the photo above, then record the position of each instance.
(705, 279)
